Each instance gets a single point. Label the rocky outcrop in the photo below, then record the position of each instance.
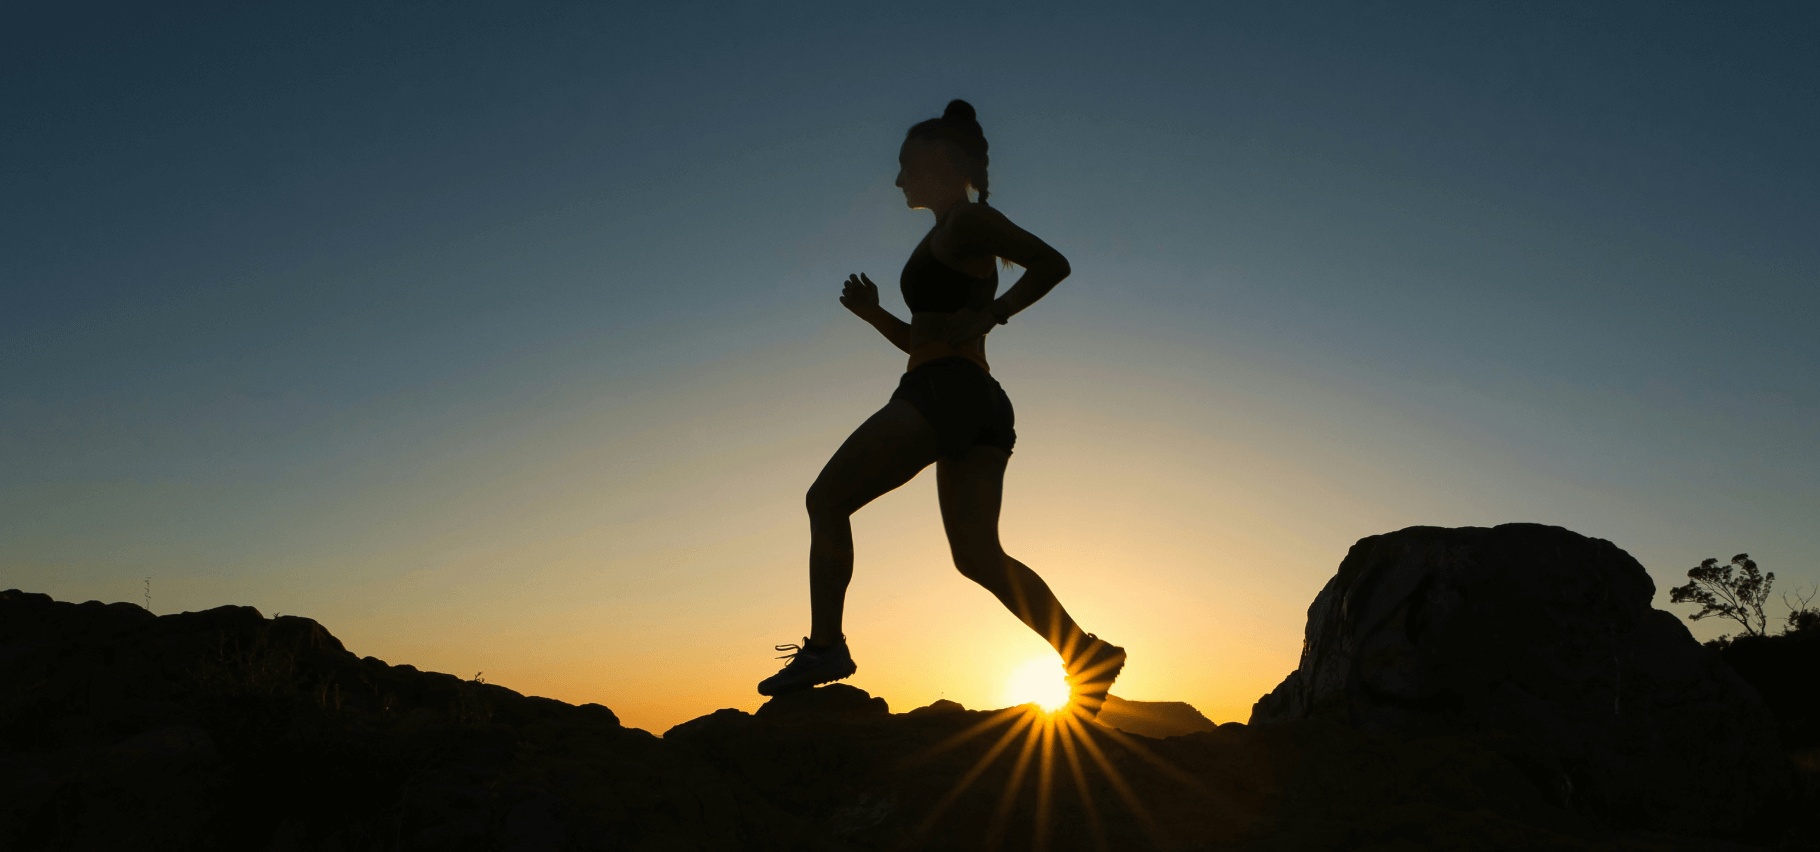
(1542, 645)
(225, 730)
(946, 778)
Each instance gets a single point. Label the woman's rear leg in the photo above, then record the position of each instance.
(971, 490)
(886, 451)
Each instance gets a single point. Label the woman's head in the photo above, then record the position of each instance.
(942, 154)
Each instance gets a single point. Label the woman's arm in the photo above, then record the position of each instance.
(860, 296)
(983, 230)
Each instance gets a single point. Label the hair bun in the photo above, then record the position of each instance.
(960, 112)
(959, 129)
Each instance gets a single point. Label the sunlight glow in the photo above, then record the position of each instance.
(1090, 751)
(1040, 681)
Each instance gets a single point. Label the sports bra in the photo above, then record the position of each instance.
(931, 285)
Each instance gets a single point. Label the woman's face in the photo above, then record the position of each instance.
(926, 175)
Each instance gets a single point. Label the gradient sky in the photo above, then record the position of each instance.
(505, 337)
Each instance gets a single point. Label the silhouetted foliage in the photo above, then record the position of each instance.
(1801, 615)
(1800, 620)
(1739, 598)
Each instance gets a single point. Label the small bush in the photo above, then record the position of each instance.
(1802, 616)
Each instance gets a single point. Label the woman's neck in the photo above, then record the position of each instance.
(941, 208)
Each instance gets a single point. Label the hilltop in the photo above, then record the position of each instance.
(228, 730)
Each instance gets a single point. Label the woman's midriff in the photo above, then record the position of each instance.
(923, 350)
(937, 349)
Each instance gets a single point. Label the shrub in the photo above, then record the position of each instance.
(1801, 615)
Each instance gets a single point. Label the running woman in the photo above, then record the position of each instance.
(947, 411)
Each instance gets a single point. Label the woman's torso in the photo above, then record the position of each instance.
(938, 280)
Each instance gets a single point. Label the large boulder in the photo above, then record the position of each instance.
(1542, 644)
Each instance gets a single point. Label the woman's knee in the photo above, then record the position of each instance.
(982, 565)
(822, 502)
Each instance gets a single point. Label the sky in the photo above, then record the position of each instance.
(504, 339)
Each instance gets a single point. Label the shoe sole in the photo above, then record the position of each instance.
(811, 685)
(1103, 676)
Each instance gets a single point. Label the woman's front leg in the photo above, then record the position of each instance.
(886, 451)
(830, 571)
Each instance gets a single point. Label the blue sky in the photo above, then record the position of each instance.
(421, 316)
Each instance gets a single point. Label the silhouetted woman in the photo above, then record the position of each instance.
(947, 410)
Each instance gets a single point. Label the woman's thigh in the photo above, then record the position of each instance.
(971, 489)
(886, 451)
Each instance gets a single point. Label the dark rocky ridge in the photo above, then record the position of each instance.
(1543, 643)
(227, 730)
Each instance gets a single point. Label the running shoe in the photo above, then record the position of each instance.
(809, 667)
(1092, 672)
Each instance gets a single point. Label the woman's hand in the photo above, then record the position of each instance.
(966, 325)
(860, 296)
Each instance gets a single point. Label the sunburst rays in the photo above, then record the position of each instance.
(1086, 749)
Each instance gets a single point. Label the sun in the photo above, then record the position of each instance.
(1040, 681)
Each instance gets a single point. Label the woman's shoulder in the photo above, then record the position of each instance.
(971, 223)
(974, 214)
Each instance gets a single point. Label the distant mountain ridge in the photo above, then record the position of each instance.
(1158, 719)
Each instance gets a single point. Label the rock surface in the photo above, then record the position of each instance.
(946, 778)
(225, 730)
(1541, 644)
(1154, 719)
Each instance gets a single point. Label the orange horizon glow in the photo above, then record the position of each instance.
(653, 576)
